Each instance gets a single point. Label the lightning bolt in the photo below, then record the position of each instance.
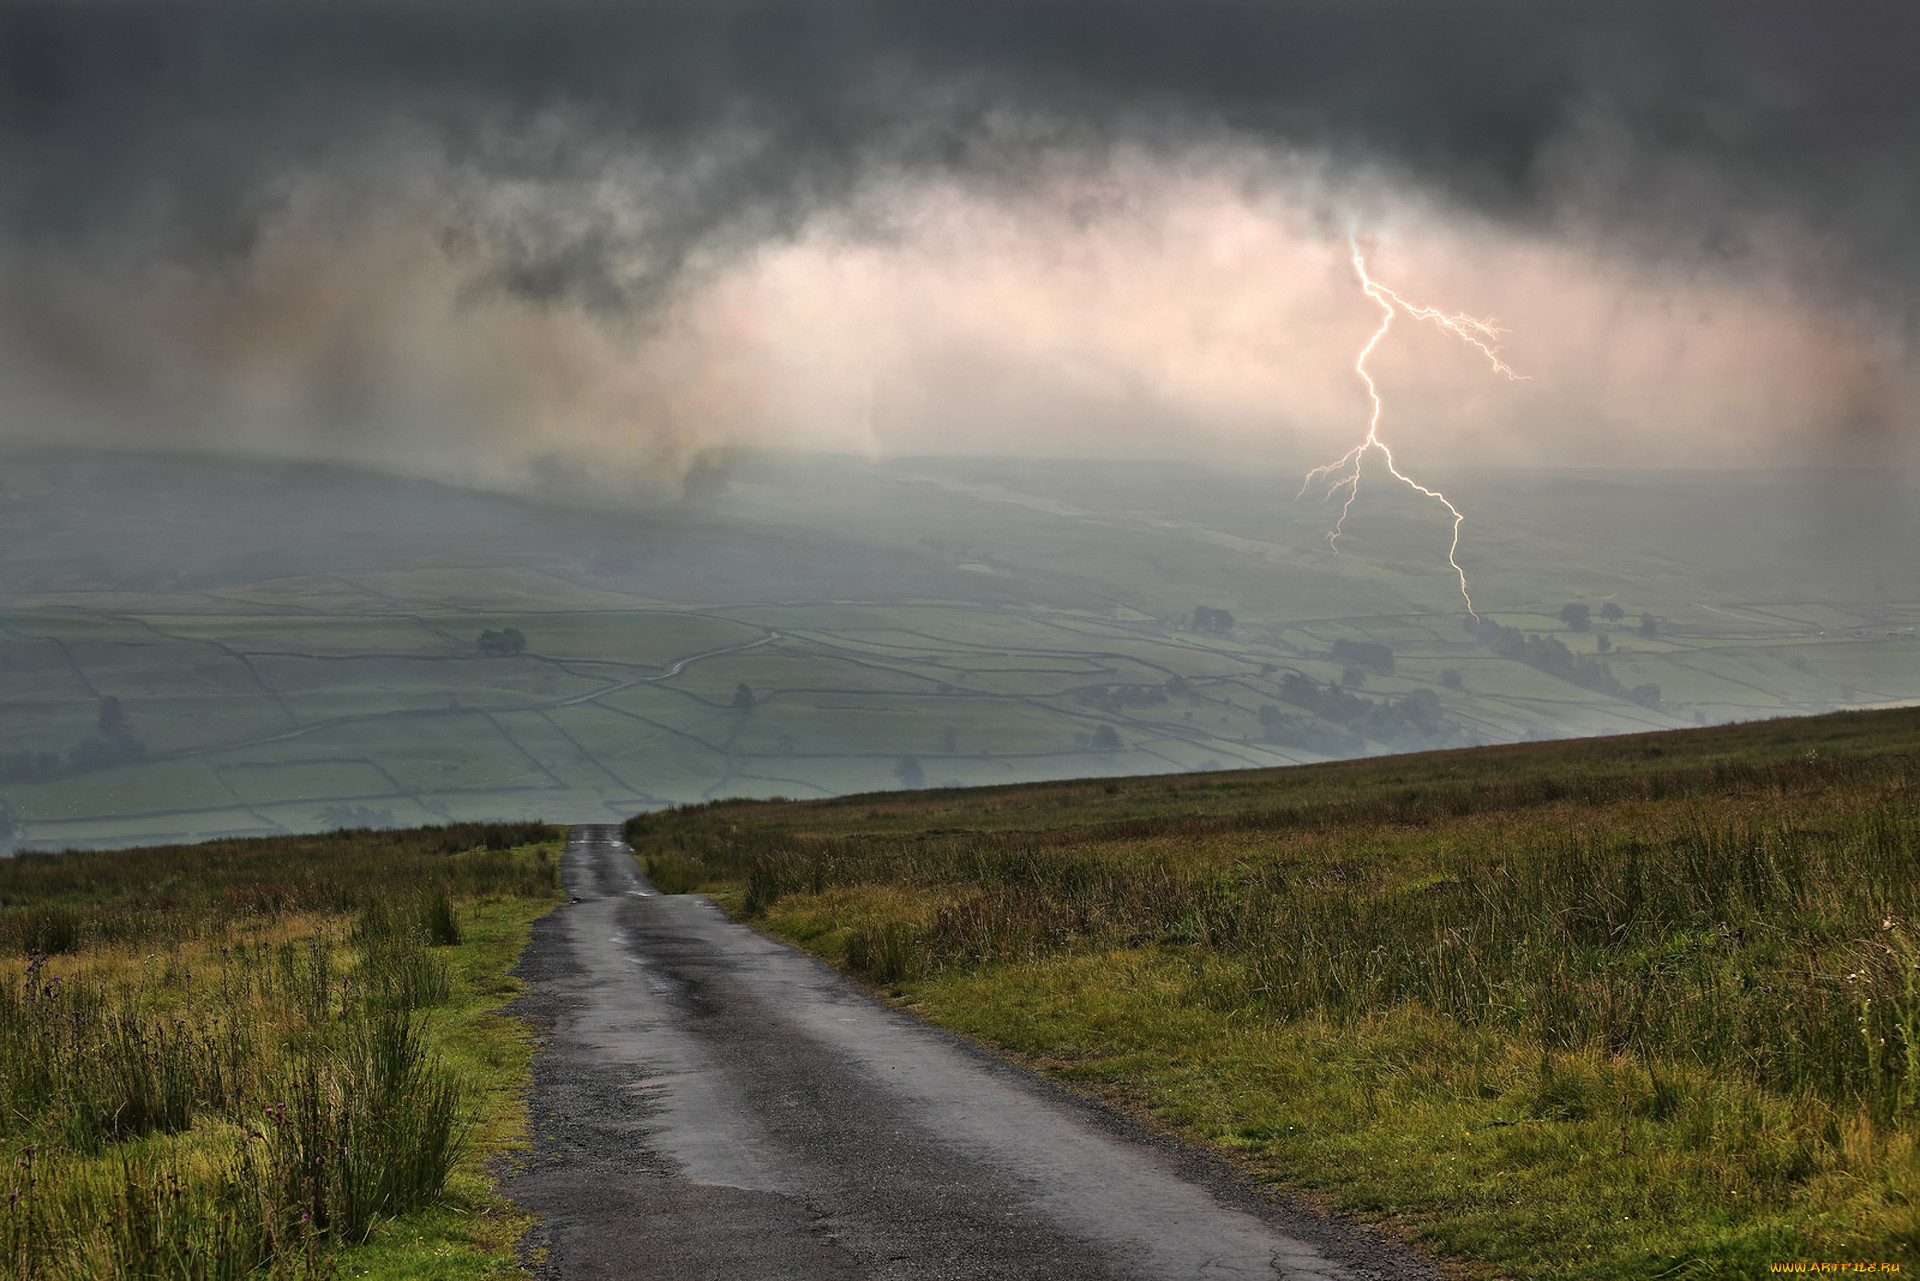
(1343, 474)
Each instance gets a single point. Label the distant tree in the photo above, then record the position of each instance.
(907, 770)
(1603, 644)
(1649, 625)
(113, 717)
(949, 740)
(1106, 739)
(1421, 709)
(1612, 612)
(1577, 617)
(1647, 695)
(743, 697)
(1353, 678)
(1214, 622)
(1450, 678)
(9, 823)
(1374, 656)
(1177, 687)
(506, 641)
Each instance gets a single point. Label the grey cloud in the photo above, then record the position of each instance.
(1809, 109)
(587, 155)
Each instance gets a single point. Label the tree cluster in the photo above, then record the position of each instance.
(1549, 654)
(1579, 618)
(506, 641)
(1413, 719)
(115, 744)
(1212, 622)
(1372, 656)
(1308, 734)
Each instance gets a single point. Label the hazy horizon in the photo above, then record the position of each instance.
(198, 647)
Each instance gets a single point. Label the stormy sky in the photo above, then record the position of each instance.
(506, 242)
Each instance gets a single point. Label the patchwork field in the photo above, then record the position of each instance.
(818, 628)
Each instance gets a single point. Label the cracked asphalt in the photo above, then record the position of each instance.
(709, 1103)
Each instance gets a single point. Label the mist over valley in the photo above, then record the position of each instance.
(195, 647)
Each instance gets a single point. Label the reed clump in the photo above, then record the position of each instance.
(261, 1092)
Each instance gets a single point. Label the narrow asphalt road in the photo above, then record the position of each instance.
(711, 1104)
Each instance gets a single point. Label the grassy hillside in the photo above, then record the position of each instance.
(1641, 1006)
(265, 1057)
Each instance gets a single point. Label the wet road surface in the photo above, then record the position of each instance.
(711, 1104)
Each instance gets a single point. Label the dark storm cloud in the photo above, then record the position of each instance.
(476, 239)
(1661, 120)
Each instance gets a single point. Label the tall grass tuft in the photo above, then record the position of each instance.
(372, 1130)
(48, 931)
(247, 1100)
(438, 922)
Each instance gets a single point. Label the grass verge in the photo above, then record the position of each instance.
(1642, 1008)
(471, 1230)
(277, 1057)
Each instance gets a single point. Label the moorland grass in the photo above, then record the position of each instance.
(1633, 1007)
(267, 1057)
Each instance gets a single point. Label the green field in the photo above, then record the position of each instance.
(1627, 1007)
(279, 667)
